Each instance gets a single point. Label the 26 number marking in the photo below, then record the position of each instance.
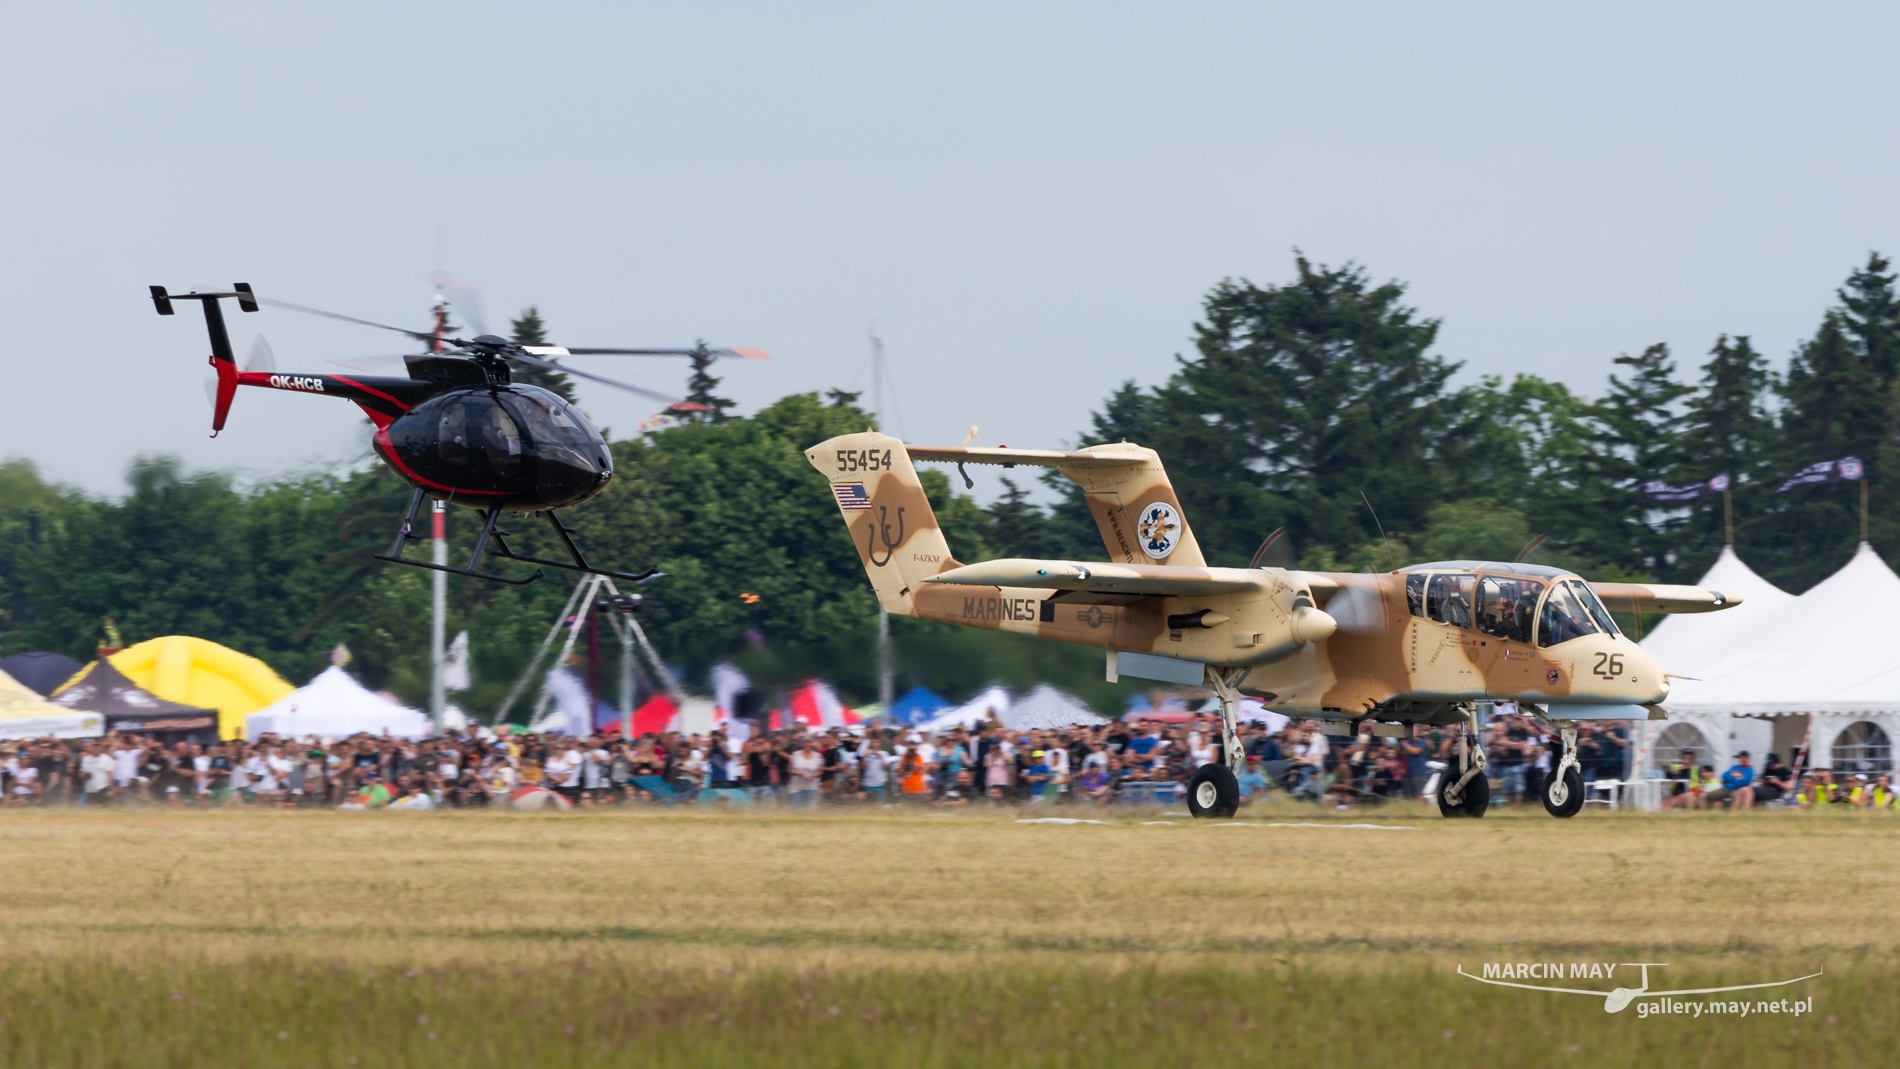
(850, 460)
(1609, 665)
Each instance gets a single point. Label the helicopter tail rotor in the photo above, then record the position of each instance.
(223, 359)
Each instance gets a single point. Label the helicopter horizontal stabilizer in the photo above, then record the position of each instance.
(223, 360)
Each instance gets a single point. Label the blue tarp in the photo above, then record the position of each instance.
(917, 706)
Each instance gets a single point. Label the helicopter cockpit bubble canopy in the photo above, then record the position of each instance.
(522, 448)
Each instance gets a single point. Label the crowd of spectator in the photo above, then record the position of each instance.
(986, 764)
(1743, 786)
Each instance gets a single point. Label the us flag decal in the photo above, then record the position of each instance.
(851, 496)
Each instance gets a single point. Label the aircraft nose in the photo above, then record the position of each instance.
(1646, 676)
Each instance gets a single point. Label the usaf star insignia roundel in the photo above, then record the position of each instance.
(1160, 530)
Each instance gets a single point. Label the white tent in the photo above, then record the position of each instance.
(1832, 655)
(334, 705)
(975, 711)
(26, 715)
(1691, 645)
(1046, 708)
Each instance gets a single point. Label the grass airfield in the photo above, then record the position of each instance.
(139, 937)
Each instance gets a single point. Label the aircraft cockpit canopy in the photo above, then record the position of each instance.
(1517, 602)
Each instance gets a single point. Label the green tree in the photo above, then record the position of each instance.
(1728, 426)
(1018, 527)
(1870, 316)
(1637, 439)
(528, 329)
(701, 384)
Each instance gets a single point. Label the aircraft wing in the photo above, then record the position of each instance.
(1139, 579)
(1009, 458)
(1651, 597)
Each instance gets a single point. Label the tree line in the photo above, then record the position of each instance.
(1316, 405)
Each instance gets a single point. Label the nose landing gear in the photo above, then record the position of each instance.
(1563, 795)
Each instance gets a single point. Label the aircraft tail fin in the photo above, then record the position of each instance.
(890, 520)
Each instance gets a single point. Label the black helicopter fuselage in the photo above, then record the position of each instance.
(458, 430)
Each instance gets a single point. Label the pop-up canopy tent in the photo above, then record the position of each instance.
(39, 671)
(917, 707)
(1045, 708)
(334, 705)
(26, 715)
(101, 688)
(1831, 655)
(201, 673)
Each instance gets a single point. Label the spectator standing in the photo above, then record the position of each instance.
(1414, 752)
(806, 766)
(95, 770)
(873, 772)
(1036, 775)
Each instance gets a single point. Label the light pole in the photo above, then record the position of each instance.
(438, 626)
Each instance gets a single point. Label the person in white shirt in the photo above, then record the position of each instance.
(1057, 758)
(201, 770)
(806, 766)
(96, 768)
(563, 772)
(125, 763)
(24, 777)
(874, 773)
(413, 799)
(594, 762)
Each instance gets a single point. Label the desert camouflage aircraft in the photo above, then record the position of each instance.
(1420, 645)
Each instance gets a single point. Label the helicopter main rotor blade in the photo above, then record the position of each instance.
(418, 335)
(566, 370)
(747, 354)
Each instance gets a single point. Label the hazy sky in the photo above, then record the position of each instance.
(1031, 200)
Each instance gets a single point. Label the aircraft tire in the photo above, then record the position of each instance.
(1477, 797)
(1447, 807)
(1213, 792)
(1570, 785)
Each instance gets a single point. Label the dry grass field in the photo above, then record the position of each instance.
(674, 937)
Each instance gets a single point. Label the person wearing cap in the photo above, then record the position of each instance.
(1036, 776)
(1775, 782)
(1738, 785)
(1253, 784)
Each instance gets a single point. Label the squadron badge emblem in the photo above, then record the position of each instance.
(1160, 530)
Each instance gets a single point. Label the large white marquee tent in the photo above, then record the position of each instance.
(1778, 669)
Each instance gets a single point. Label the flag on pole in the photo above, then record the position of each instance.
(1657, 490)
(455, 664)
(1844, 470)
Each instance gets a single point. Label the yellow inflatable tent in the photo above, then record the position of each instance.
(196, 671)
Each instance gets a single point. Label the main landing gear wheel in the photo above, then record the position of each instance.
(1450, 801)
(1477, 797)
(1470, 802)
(1563, 795)
(1213, 792)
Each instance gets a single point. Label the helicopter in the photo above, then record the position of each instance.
(1417, 645)
(457, 428)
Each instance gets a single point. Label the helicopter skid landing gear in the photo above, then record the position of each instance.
(499, 539)
(1469, 794)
